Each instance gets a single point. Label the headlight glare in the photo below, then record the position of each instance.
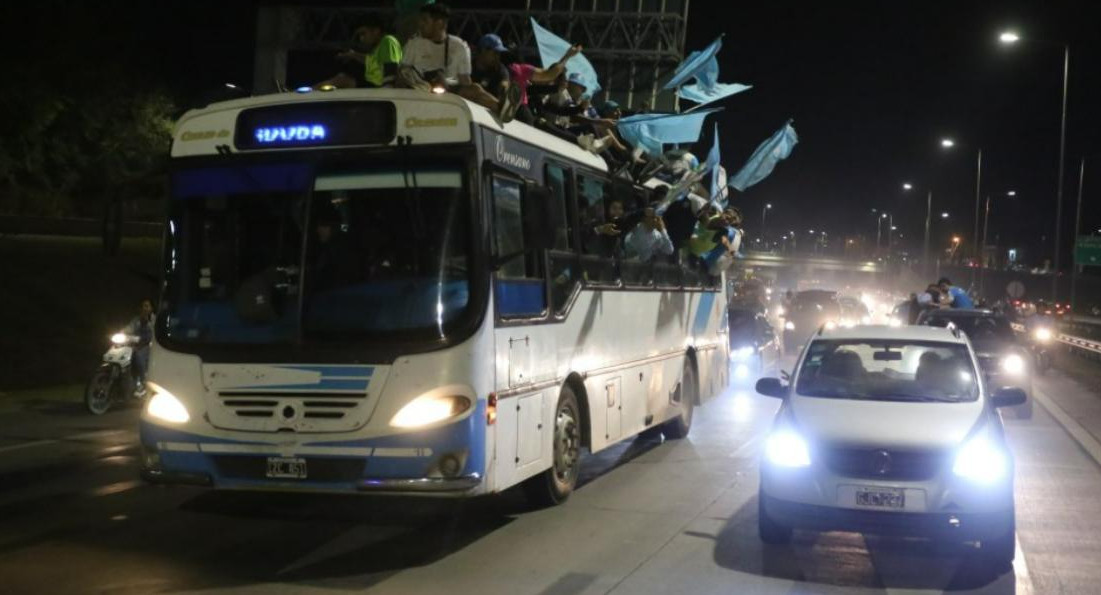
(789, 326)
(427, 410)
(1013, 364)
(118, 338)
(1043, 335)
(742, 353)
(164, 406)
(979, 460)
(785, 448)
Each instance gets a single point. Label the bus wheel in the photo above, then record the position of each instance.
(678, 427)
(556, 484)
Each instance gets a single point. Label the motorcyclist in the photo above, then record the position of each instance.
(142, 328)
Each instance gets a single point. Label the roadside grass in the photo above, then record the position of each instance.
(60, 300)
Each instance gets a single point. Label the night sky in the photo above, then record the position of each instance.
(872, 87)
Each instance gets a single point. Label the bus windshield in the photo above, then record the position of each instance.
(292, 253)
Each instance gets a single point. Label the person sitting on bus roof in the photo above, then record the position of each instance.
(434, 61)
(648, 239)
(508, 80)
(376, 65)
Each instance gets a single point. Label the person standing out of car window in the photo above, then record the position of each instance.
(957, 296)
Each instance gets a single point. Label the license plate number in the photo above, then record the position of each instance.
(286, 468)
(880, 498)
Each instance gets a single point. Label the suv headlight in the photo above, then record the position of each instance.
(1013, 364)
(1043, 335)
(426, 410)
(785, 448)
(164, 406)
(981, 461)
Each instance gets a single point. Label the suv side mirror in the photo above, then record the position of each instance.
(1008, 396)
(771, 387)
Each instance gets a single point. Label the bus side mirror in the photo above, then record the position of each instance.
(538, 220)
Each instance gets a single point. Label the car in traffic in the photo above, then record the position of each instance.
(755, 349)
(890, 431)
(808, 311)
(853, 311)
(1004, 357)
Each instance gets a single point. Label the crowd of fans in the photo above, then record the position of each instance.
(552, 100)
(492, 76)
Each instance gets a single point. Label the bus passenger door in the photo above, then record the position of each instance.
(613, 399)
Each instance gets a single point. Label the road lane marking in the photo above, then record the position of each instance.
(1080, 434)
(73, 438)
(1020, 569)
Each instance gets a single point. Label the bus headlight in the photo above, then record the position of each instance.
(164, 406)
(1013, 364)
(980, 461)
(785, 448)
(427, 410)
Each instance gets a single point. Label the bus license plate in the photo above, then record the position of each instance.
(881, 498)
(286, 468)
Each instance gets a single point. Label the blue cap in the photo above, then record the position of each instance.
(492, 41)
(608, 107)
(576, 79)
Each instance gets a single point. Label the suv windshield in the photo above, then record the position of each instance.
(286, 253)
(888, 371)
(977, 328)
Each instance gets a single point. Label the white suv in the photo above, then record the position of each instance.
(888, 430)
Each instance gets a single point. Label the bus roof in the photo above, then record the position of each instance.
(426, 117)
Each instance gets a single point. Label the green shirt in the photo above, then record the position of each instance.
(388, 51)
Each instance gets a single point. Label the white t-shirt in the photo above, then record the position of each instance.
(425, 56)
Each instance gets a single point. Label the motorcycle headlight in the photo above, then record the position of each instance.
(789, 326)
(1013, 364)
(164, 406)
(427, 410)
(981, 461)
(1043, 335)
(118, 338)
(785, 448)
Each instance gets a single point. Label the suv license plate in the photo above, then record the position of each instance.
(881, 498)
(286, 468)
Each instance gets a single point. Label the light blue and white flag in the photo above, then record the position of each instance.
(695, 63)
(704, 67)
(551, 50)
(712, 163)
(765, 158)
(650, 131)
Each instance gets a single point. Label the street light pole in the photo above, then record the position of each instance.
(1059, 188)
(985, 231)
(1077, 224)
(764, 215)
(978, 190)
(928, 223)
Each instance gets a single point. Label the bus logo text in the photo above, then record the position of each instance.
(518, 161)
(414, 122)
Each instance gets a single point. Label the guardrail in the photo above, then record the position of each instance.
(1082, 343)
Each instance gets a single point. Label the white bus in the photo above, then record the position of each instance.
(389, 291)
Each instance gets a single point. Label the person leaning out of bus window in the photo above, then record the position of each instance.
(501, 84)
(434, 61)
(648, 239)
(376, 65)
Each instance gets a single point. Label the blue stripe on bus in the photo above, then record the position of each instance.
(518, 298)
(703, 312)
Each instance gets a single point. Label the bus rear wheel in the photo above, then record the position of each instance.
(678, 427)
(555, 485)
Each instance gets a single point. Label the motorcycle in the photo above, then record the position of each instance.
(1041, 340)
(114, 382)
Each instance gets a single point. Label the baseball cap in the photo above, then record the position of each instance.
(576, 79)
(492, 41)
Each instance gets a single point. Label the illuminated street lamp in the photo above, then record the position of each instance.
(907, 186)
(944, 215)
(1011, 38)
(764, 215)
(947, 143)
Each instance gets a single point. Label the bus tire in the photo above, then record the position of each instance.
(555, 485)
(679, 426)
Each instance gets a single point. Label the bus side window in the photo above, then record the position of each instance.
(519, 291)
(565, 271)
(597, 244)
